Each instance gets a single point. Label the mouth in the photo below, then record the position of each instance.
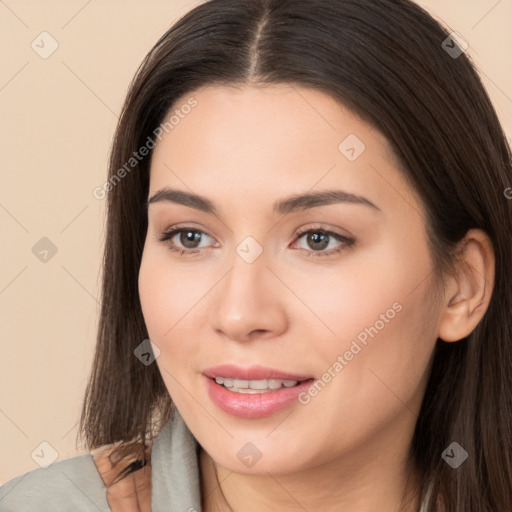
(254, 392)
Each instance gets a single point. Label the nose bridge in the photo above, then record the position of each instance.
(249, 262)
(246, 281)
(247, 300)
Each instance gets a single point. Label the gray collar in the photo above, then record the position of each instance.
(175, 469)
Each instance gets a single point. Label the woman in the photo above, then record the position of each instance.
(308, 218)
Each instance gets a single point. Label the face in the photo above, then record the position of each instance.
(316, 316)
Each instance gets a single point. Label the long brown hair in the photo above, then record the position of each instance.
(385, 60)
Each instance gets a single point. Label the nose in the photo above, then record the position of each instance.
(249, 302)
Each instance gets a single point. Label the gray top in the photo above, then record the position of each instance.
(74, 484)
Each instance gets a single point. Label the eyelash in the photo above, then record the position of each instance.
(167, 236)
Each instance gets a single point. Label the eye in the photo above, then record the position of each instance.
(187, 239)
(319, 239)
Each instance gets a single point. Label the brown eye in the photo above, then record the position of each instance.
(184, 240)
(189, 238)
(319, 239)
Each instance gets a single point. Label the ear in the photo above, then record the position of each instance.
(468, 292)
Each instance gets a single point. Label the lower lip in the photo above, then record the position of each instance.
(257, 405)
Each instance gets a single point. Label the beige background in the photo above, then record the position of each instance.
(58, 117)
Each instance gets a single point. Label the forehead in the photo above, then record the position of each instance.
(270, 141)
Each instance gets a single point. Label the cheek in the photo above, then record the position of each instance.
(170, 297)
(380, 319)
(161, 311)
(168, 293)
(375, 381)
(364, 298)
(385, 363)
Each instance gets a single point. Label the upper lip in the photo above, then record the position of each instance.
(251, 373)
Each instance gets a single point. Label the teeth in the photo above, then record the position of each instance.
(254, 386)
(274, 384)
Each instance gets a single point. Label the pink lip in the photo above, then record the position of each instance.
(256, 405)
(252, 373)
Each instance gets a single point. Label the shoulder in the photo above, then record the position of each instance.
(72, 484)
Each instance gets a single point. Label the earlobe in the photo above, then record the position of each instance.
(468, 292)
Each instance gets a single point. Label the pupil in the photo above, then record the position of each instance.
(322, 237)
(190, 237)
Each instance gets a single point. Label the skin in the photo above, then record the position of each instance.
(244, 148)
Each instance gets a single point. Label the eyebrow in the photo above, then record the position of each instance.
(295, 203)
